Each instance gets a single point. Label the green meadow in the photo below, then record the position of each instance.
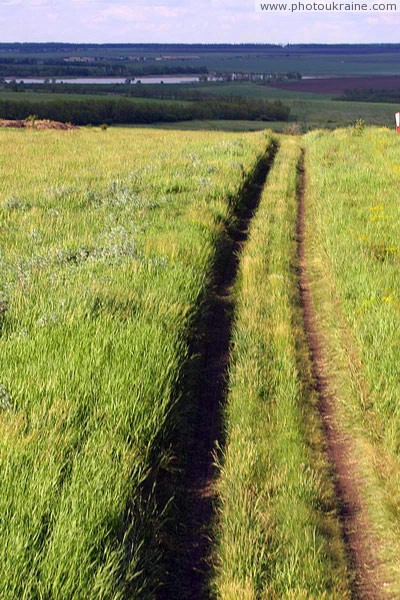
(111, 243)
(353, 251)
(108, 242)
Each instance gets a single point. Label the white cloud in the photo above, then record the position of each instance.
(141, 12)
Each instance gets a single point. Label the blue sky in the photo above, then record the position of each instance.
(184, 21)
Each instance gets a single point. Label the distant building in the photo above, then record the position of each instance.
(79, 59)
(180, 57)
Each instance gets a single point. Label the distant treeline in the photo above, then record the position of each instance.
(120, 110)
(53, 68)
(159, 91)
(43, 48)
(371, 95)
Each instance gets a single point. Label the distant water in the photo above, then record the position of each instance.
(106, 80)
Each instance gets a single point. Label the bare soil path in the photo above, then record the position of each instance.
(364, 566)
(191, 577)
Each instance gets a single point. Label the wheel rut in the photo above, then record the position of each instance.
(364, 567)
(191, 574)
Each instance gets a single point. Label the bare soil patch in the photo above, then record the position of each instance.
(38, 124)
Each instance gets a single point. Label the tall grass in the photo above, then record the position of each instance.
(108, 240)
(277, 532)
(354, 255)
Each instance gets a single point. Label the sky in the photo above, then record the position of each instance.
(186, 21)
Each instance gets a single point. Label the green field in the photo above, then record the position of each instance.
(108, 241)
(117, 247)
(312, 110)
(45, 96)
(308, 114)
(219, 125)
(252, 90)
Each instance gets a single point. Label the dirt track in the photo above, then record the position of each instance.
(194, 565)
(366, 582)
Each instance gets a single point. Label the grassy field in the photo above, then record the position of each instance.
(252, 90)
(111, 242)
(312, 110)
(331, 114)
(353, 250)
(108, 239)
(54, 96)
(219, 125)
(308, 114)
